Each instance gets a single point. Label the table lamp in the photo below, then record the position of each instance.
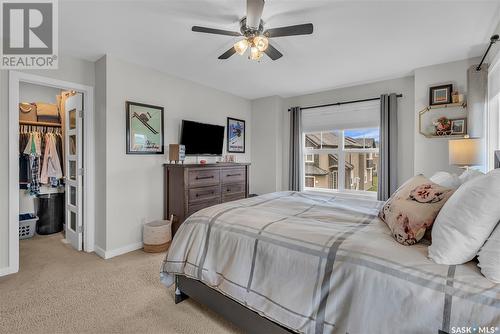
(465, 152)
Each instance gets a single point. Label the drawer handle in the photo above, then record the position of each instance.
(204, 177)
(233, 174)
(206, 193)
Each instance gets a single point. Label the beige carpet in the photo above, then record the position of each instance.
(59, 290)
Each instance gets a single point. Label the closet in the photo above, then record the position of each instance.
(42, 156)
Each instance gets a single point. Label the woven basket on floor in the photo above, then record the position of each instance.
(157, 236)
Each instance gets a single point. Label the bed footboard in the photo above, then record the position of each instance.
(246, 319)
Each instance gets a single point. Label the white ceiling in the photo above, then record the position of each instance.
(353, 41)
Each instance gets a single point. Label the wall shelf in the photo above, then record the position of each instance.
(422, 112)
(40, 123)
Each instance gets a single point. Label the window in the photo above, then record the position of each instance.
(309, 182)
(342, 159)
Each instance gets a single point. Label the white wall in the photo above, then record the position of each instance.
(70, 69)
(405, 116)
(134, 183)
(267, 156)
(431, 154)
(36, 93)
(495, 50)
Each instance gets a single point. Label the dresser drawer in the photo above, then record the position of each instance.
(201, 178)
(233, 175)
(192, 208)
(204, 194)
(234, 191)
(232, 197)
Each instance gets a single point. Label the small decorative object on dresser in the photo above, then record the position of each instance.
(235, 135)
(176, 153)
(192, 187)
(440, 95)
(144, 128)
(157, 236)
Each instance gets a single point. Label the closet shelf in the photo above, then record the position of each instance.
(40, 123)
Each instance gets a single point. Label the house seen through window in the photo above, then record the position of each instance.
(342, 159)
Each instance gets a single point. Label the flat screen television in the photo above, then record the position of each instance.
(201, 138)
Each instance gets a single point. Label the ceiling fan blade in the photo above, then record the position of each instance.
(228, 53)
(215, 31)
(300, 29)
(254, 13)
(273, 53)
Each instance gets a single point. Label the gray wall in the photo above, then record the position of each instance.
(267, 156)
(431, 154)
(134, 183)
(70, 69)
(100, 153)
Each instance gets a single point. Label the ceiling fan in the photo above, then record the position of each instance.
(254, 35)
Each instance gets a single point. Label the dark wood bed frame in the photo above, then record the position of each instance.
(244, 318)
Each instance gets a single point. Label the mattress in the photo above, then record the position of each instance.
(318, 263)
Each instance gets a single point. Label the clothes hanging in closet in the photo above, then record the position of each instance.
(40, 158)
(51, 167)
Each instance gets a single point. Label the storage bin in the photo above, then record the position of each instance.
(50, 209)
(27, 226)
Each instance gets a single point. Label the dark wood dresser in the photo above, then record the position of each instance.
(192, 187)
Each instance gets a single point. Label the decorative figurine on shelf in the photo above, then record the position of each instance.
(443, 126)
(455, 97)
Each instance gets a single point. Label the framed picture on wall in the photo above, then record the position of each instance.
(144, 128)
(459, 126)
(440, 94)
(235, 135)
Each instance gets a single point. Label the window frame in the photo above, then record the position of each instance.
(341, 153)
(307, 160)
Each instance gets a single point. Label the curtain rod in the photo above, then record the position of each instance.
(346, 102)
(493, 40)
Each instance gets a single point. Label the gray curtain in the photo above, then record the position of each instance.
(295, 174)
(387, 170)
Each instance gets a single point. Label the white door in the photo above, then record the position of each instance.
(74, 170)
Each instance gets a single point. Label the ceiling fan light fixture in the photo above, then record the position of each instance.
(255, 54)
(261, 43)
(241, 46)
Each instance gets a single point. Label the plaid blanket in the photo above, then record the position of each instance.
(325, 264)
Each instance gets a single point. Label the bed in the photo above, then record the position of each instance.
(316, 263)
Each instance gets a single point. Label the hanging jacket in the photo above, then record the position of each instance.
(51, 165)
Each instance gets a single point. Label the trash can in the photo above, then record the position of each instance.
(50, 211)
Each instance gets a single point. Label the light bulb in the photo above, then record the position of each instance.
(255, 54)
(261, 43)
(241, 46)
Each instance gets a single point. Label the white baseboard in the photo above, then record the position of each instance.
(118, 251)
(99, 251)
(7, 271)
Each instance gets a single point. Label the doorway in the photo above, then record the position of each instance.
(76, 130)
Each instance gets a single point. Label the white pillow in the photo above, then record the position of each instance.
(445, 179)
(489, 257)
(466, 220)
(469, 174)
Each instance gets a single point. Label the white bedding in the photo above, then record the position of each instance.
(325, 264)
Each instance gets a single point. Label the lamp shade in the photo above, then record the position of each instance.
(465, 152)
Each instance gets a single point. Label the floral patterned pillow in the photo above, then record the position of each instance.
(412, 209)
